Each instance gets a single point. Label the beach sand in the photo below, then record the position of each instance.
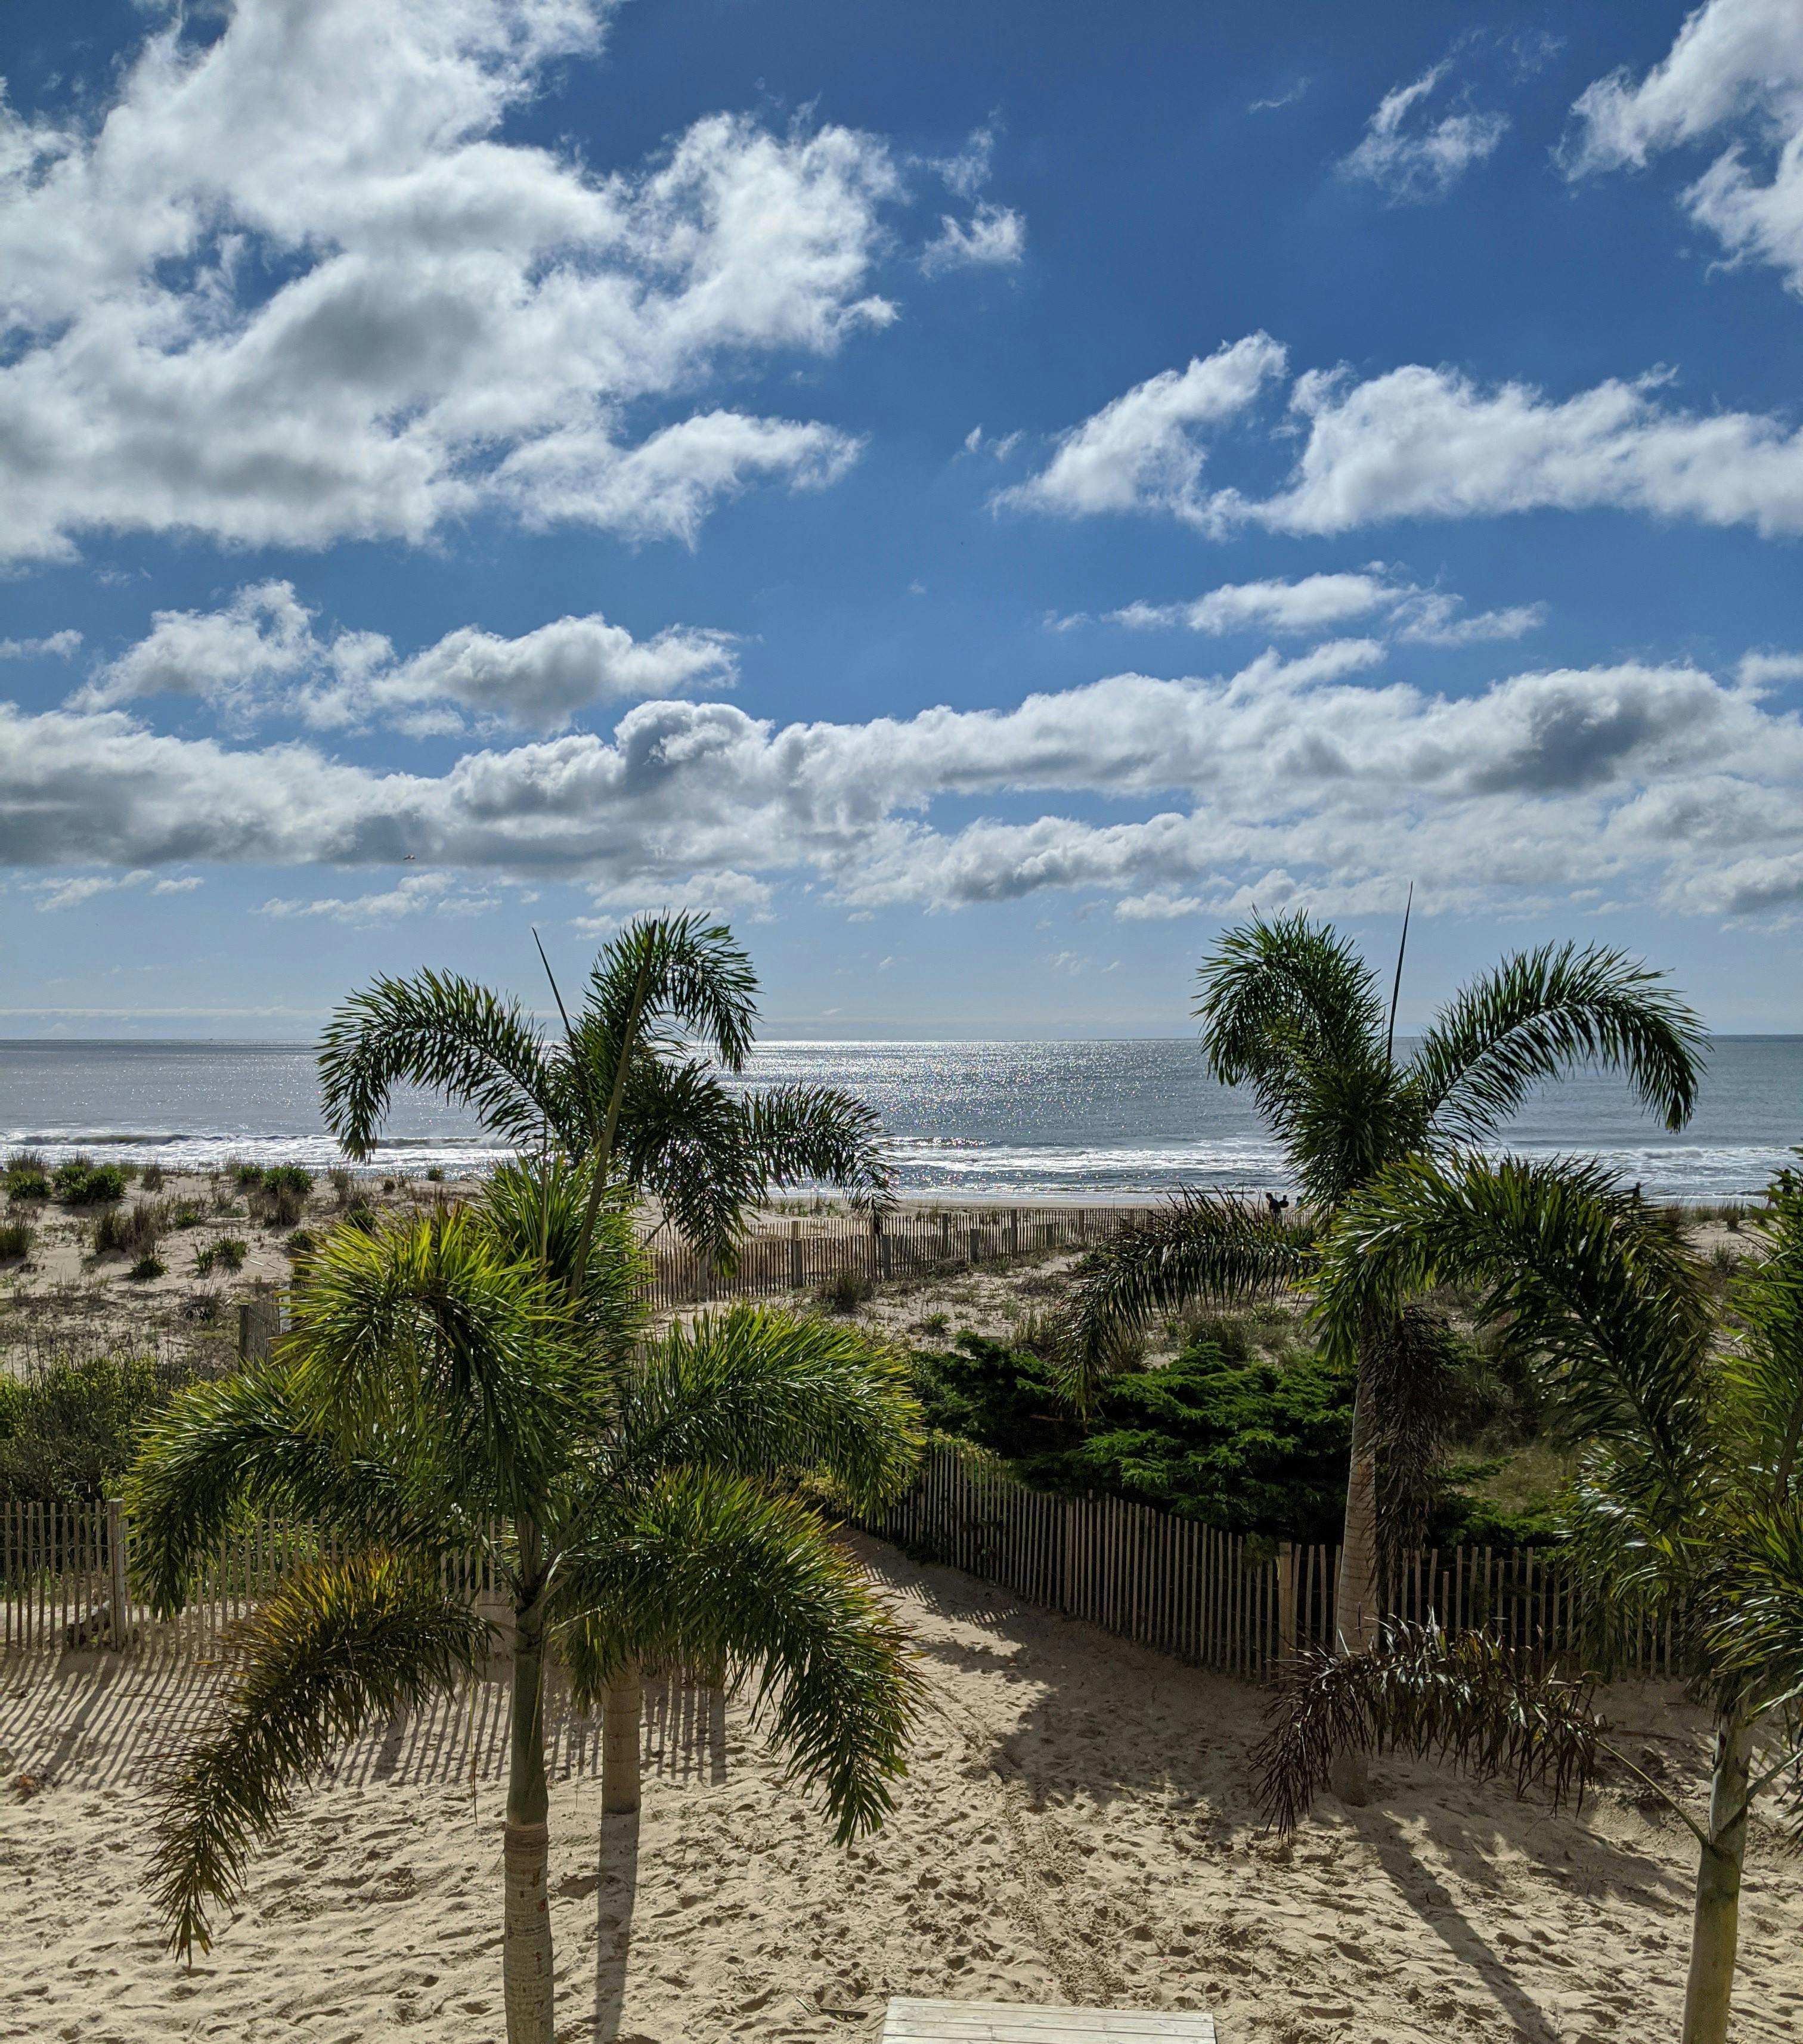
(1077, 1828)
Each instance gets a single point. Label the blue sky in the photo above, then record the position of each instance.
(981, 496)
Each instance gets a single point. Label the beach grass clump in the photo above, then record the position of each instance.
(342, 1181)
(245, 1175)
(120, 1230)
(278, 1197)
(16, 1239)
(148, 1265)
(845, 1291)
(435, 1174)
(301, 1245)
(227, 1254)
(361, 1216)
(151, 1178)
(81, 1183)
(28, 1176)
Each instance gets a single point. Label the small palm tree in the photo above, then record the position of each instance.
(1288, 1008)
(462, 1385)
(1687, 1508)
(634, 1086)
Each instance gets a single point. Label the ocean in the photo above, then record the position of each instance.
(1027, 1123)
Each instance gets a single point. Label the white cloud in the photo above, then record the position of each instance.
(1286, 98)
(440, 893)
(995, 237)
(1415, 158)
(59, 645)
(186, 886)
(1157, 906)
(263, 656)
(292, 286)
(1737, 65)
(1421, 443)
(71, 892)
(1286, 781)
(1316, 603)
(1137, 453)
(1758, 671)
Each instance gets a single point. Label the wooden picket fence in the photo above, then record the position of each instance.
(1234, 1602)
(781, 1257)
(1237, 1603)
(65, 1578)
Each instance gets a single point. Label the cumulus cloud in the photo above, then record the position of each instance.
(59, 645)
(1287, 781)
(1736, 67)
(1139, 452)
(264, 655)
(1313, 604)
(292, 286)
(440, 893)
(995, 236)
(1410, 156)
(1417, 442)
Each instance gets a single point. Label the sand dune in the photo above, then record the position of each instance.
(1077, 1828)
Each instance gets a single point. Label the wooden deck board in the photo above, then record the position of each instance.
(1027, 2023)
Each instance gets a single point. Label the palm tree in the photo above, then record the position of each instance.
(1687, 1508)
(467, 1385)
(634, 1086)
(1289, 1008)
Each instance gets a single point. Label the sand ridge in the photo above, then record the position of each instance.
(1077, 1827)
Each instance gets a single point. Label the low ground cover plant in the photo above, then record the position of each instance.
(28, 1178)
(79, 1183)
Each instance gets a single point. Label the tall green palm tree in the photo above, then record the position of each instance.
(468, 1384)
(1687, 1508)
(634, 1086)
(634, 1089)
(1289, 1008)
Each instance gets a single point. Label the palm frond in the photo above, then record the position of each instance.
(1464, 1699)
(1199, 1246)
(338, 1645)
(1274, 991)
(799, 1134)
(661, 970)
(755, 1393)
(535, 1210)
(1765, 1373)
(220, 1446)
(1404, 1366)
(442, 1031)
(1587, 1283)
(681, 1138)
(1543, 1012)
(716, 1571)
(428, 1333)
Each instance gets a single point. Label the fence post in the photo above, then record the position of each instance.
(1286, 1604)
(115, 1569)
(794, 1256)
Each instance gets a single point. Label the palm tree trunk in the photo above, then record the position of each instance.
(621, 1715)
(1357, 1606)
(1715, 1928)
(526, 1978)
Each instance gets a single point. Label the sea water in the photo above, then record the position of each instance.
(1025, 1123)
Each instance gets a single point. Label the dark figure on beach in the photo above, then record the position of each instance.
(1277, 1206)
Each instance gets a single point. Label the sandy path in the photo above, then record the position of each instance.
(1077, 1828)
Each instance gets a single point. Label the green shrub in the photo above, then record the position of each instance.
(82, 1184)
(342, 1182)
(300, 1245)
(150, 1179)
(148, 1265)
(121, 1229)
(69, 1433)
(246, 1174)
(361, 1216)
(27, 1178)
(16, 1239)
(288, 1177)
(1002, 1397)
(434, 1175)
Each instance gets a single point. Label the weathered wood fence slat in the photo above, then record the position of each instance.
(1223, 1600)
(779, 1256)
